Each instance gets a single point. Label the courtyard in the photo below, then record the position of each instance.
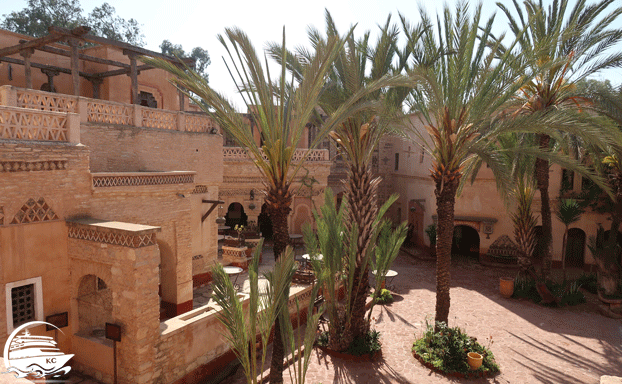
(531, 343)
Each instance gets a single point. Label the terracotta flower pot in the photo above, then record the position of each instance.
(475, 360)
(506, 286)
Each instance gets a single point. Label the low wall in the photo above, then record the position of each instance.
(191, 345)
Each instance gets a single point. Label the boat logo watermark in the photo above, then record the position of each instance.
(33, 356)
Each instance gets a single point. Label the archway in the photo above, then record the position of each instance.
(235, 215)
(415, 223)
(575, 248)
(94, 305)
(465, 241)
(302, 215)
(168, 278)
(265, 223)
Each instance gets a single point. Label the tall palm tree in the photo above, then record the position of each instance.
(368, 101)
(458, 100)
(563, 45)
(280, 110)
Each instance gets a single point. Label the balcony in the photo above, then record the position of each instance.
(27, 114)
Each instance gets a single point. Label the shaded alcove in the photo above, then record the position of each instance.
(465, 242)
(236, 215)
(575, 248)
(94, 305)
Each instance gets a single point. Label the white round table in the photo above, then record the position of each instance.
(389, 276)
(233, 271)
(318, 257)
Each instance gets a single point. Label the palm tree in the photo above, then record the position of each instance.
(280, 110)
(568, 211)
(359, 106)
(458, 100)
(563, 46)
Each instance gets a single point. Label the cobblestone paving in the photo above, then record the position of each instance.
(531, 343)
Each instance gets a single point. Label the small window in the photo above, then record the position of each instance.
(397, 161)
(421, 156)
(24, 302)
(567, 180)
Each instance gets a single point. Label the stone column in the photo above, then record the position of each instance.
(133, 77)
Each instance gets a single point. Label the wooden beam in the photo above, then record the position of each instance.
(93, 59)
(134, 78)
(214, 204)
(12, 50)
(75, 65)
(117, 72)
(26, 54)
(44, 66)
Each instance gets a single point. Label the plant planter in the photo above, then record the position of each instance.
(475, 360)
(346, 356)
(506, 287)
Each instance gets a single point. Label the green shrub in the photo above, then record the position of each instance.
(367, 344)
(588, 282)
(447, 350)
(384, 297)
(567, 294)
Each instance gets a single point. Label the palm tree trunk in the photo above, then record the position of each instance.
(362, 195)
(279, 201)
(445, 203)
(542, 178)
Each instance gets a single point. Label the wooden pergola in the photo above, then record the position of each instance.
(75, 38)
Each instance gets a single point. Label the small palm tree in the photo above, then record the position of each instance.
(524, 223)
(563, 46)
(568, 211)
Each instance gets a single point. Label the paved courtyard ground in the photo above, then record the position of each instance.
(531, 343)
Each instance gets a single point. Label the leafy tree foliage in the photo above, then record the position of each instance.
(35, 19)
(200, 55)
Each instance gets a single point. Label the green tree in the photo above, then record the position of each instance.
(361, 107)
(281, 110)
(200, 56)
(39, 15)
(458, 99)
(563, 46)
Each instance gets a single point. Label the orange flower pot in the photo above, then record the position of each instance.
(506, 287)
(475, 360)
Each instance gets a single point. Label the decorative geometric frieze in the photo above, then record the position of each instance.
(122, 239)
(242, 179)
(100, 181)
(34, 212)
(28, 98)
(238, 153)
(233, 192)
(199, 189)
(291, 303)
(199, 123)
(25, 124)
(158, 118)
(26, 166)
(107, 112)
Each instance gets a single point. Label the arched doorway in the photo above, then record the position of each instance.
(264, 223)
(236, 216)
(575, 248)
(415, 223)
(94, 305)
(465, 241)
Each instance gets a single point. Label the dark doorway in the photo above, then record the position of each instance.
(264, 222)
(465, 242)
(415, 223)
(575, 248)
(235, 215)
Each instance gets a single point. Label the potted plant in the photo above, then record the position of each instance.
(506, 286)
(475, 360)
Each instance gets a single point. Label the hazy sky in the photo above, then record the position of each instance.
(197, 23)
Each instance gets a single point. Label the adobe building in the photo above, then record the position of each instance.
(111, 185)
(481, 216)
